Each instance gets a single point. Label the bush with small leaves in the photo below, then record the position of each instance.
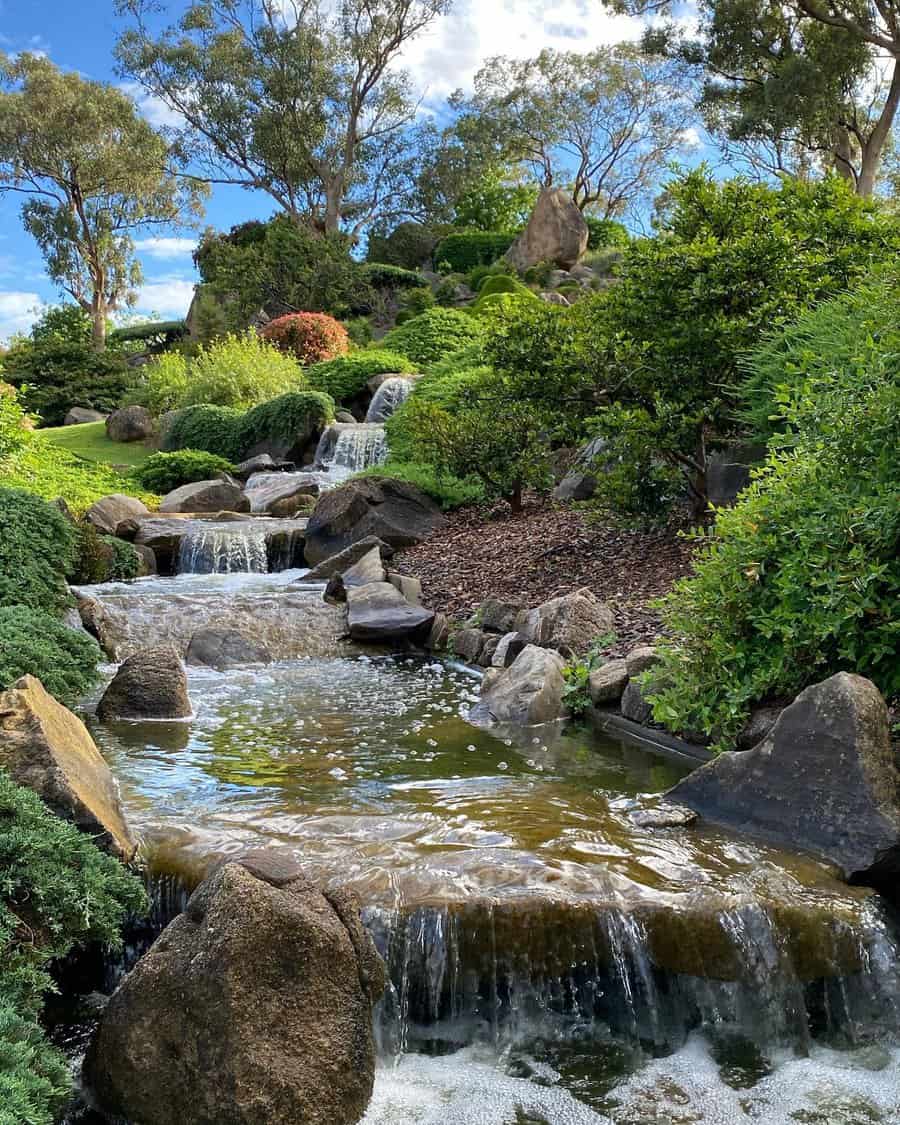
(213, 429)
(241, 371)
(37, 550)
(35, 643)
(345, 377)
(163, 472)
(103, 558)
(308, 337)
(284, 418)
(464, 250)
(433, 335)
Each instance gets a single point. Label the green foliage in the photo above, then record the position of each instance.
(409, 245)
(163, 472)
(501, 268)
(359, 330)
(103, 558)
(493, 203)
(503, 305)
(605, 234)
(577, 675)
(446, 489)
(802, 577)
(47, 471)
(163, 383)
(345, 377)
(213, 429)
(385, 276)
(239, 371)
(36, 643)
(416, 301)
(284, 417)
(433, 335)
(57, 374)
(15, 425)
(37, 550)
(58, 891)
(464, 250)
(149, 332)
(89, 442)
(501, 283)
(62, 324)
(280, 266)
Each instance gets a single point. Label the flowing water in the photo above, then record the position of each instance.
(390, 395)
(551, 960)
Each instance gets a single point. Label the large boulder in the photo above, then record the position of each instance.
(556, 232)
(823, 780)
(206, 496)
(149, 685)
(379, 612)
(222, 648)
(131, 423)
(300, 503)
(343, 560)
(109, 512)
(46, 748)
(570, 624)
(394, 511)
(369, 568)
(79, 415)
(529, 691)
(254, 1005)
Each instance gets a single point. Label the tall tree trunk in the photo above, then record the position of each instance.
(98, 327)
(334, 199)
(873, 149)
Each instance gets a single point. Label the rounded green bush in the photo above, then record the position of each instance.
(162, 472)
(464, 250)
(346, 377)
(284, 418)
(37, 550)
(213, 429)
(500, 283)
(240, 371)
(33, 642)
(434, 335)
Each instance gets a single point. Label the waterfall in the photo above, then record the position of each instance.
(346, 448)
(217, 550)
(392, 393)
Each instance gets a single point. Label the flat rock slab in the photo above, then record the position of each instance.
(379, 612)
(206, 496)
(823, 780)
(46, 748)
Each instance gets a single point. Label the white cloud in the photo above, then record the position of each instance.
(154, 109)
(450, 52)
(691, 137)
(169, 297)
(165, 247)
(18, 311)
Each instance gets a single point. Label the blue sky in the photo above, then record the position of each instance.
(80, 35)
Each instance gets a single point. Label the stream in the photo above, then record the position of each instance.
(552, 960)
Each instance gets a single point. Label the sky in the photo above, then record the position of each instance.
(80, 35)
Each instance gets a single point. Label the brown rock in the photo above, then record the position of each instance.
(131, 423)
(608, 682)
(206, 496)
(149, 685)
(556, 232)
(46, 748)
(529, 691)
(109, 512)
(254, 1006)
(570, 624)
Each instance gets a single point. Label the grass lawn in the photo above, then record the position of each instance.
(89, 441)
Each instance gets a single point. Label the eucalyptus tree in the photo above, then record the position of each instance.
(92, 172)
(604, 123)
(302, 99)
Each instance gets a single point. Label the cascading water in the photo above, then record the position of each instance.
(390, 395)
(223, 550)
(359, 447)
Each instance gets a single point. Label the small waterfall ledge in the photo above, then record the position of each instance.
(220, 546)
(392, 393)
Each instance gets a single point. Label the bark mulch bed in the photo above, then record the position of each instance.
(547, 550)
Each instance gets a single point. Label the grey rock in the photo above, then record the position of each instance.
(665, 816)
(757, 727)
(255, 1005)
(491, 642)
(109, 512)
(379, 612)
(570, 624)
(580, 482)
(640, 659)
(467, 644)
(553, 298)
(439, 637)
(409, 587)
(206, 496)
(222, 648)
(508, 648)
(342, 560)
(147, 560)
(529, 691)
(823, 780)
(497, 616)
(263, 463)
(397, 512)
(608, 682)
(345, 417)
(299, 503)
(634, 704)
(556, 232)
(79, 415)
(149, 685)
(369, 568)
(130, 423)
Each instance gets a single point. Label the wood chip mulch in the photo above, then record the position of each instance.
(547, 550)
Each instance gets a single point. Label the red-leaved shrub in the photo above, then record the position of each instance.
(309, 336)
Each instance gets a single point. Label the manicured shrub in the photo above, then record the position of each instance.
(503, 304)
(162, 472)
(163, 384)
(410, 245)
(284, 418)
(448, 490)
(464, 250)
(242, 371)
(309, 337)
(414, 302)
(604, 233)
(35, 643)
(501, 268)
(57, 890)
(433, 335)
(500, 283)
(359, 330)
(382, 276)
(213, 429)
(37, 550)
(346, 377)
(58, 374)
(103, 558)
(802, 577)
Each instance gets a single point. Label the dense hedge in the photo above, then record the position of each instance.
(57, 890)
(409, 245)
(382, 276)
(38, 547)
(103, 558)
(466, 249)
(162, 472)
(36, 643)
(802, 577)
(346, 377)
(213, 429)
(285, 416)
(433, 335)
